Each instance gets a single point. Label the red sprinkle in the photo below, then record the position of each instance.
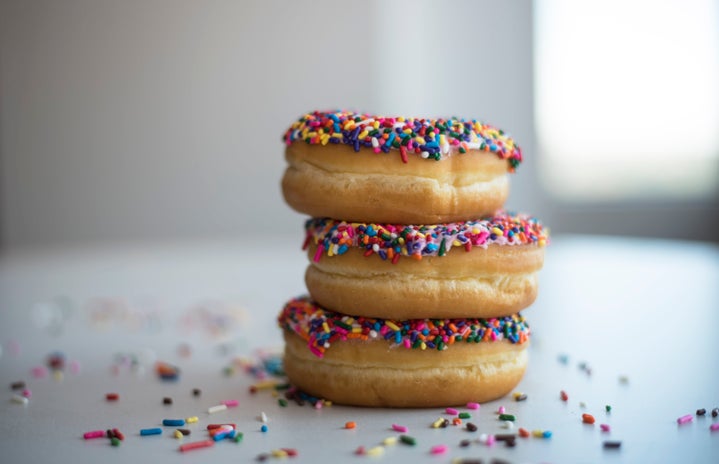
(196, 445)
(112, 396)
(563, 395)
(587, 418)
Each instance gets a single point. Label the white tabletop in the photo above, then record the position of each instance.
(639, 309)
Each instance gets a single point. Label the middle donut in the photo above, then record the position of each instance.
(482, 268)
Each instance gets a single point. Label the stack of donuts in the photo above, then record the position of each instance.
(416, 274)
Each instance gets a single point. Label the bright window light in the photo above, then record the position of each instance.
(627, 98)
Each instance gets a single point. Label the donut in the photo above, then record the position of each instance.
(483, 268)
(363, 361)
(367, 168)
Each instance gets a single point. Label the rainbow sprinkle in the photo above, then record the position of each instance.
(390, 241)
(427, 138)
(320, 328)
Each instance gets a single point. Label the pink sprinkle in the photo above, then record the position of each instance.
(491, 440)
(27, 393)
(399, 428)
(39, 372)
(318, 405)
(472, 405)
(231, 403)
(451, 411)
(93, 434)
(500, 410)
(604, 427)
(438, 449)
(714, 427)
(318, 253)
(685, 419)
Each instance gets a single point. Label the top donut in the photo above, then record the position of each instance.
(362, 167)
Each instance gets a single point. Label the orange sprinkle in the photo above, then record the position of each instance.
(587, 418)
(350, 425)
(524, 433)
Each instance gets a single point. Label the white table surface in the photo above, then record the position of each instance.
(642, 309)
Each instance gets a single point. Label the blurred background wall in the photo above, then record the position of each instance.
(161, 120)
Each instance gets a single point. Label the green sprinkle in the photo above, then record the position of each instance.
(464, 415)
(282, 402)
(407, 440)
(506, 417)
(608, 408)
(115, 441)
(238, 437)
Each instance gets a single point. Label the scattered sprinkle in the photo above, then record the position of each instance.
(407, 440)
(217, 408)
(451, 411)
(524, 433)
(715, 412)
(604, 427)
(439, 449)
(714, 427)
(471, 427)
(506, 417)
(112, 396)
(350, 425)
(166, 371)
(196, 445)
(192, 419)
(701, 412)
(173, 422)
(17, 385)
(93, 434)
(587, 418)
(608, 408)
(399, 428)
(152, 431)
(614, 444)
(473, 406)
(264, 428)
(20, 399)
(563, 395)
(519, 396)
(685, 419)
(231, 403)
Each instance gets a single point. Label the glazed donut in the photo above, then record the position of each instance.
(414, 363)
(367, 168)
(484, 268)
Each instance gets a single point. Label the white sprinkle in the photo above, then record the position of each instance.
(263, 417)
(218, 408)
(425, 154)
(19, 399)
(508, 425)
(375, 142)
(483, 438)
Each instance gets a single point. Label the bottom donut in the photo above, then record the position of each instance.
(362, 361)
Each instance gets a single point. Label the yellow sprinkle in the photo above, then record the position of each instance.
(275, 393)
(325, 327)
(178, 434)
(376, 451)
(312, 134)
(497, 231)
(438, 423)
(57, 375)
(542, 242)
(423, 346)
(279, 453)
(517, 395)
(192, 420)
(389, 441)
(324, 139)
(375, 124)
(265, 384)
(356, 330)
(363, 134)
(392, 325)
(538, 433)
